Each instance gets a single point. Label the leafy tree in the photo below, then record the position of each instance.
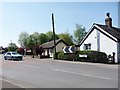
(23, 36)
(42, 38)
(66, 37)
(5, 49)
(41, 50)
(12, 47)
(36, 49)
(31, 43)
(36, 37)
(50, 36)
(20, 50)
(79, 33)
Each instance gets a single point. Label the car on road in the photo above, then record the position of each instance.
(13, 56)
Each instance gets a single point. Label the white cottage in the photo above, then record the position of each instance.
(104, 38)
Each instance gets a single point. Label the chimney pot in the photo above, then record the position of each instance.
(108, 14)
(108, 20)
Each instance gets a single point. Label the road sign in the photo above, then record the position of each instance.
(69, 49)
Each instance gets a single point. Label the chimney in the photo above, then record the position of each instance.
(108, 20)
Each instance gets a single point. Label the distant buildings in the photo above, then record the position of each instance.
(1, 50)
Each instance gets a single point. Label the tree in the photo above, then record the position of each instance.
(79, 33)
(36, 49)
(30, 43)
(5, 49)
(50, 36)
(66, 37)
(23, 36)
(36, 37)
(12, 47)
(20, 50)
(41, 50)
(42, 38)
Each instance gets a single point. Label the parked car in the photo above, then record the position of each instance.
(13, 56)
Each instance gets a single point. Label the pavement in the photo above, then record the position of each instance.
(49, 73)
(114, 66)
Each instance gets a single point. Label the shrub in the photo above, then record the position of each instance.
(61, 55)
(92, 56)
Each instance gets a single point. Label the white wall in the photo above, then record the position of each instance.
(92, 38)
(108, 46)
(118, 51)
(45, 52)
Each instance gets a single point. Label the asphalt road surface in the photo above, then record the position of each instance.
(47, 73)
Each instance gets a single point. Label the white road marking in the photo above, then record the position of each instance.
(60, 70)
(19, 85)
(73, 72)
(31, 66)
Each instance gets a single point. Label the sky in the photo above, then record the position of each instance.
(16, 17)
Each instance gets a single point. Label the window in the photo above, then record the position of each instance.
(8, 53)
(51, 51)
(14, 53)
(87, 46)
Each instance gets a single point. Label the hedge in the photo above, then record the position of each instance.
(92, 56)
(63, 56)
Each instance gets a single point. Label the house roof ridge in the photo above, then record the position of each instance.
(106, 26)
(114, 31)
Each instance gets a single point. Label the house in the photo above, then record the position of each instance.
(49, 47)
(104, 38)
(2, 50)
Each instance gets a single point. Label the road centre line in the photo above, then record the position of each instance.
(31, 66)
(60, 70)
(76, 73)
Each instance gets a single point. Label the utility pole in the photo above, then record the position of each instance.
(54, 36)
(11, 43)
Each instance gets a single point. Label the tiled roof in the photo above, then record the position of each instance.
(115, 32)
(51, 43)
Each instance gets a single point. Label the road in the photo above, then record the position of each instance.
(47, 73)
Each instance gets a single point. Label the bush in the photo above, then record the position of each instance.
(65, 56)
(61, 55)
(92, 56)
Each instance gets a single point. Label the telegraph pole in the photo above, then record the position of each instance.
(11, 43)
(54, 36)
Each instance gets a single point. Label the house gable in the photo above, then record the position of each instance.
(61, 41)
(109, 33)
(90, 40)
(99, 42)
(51, 44)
